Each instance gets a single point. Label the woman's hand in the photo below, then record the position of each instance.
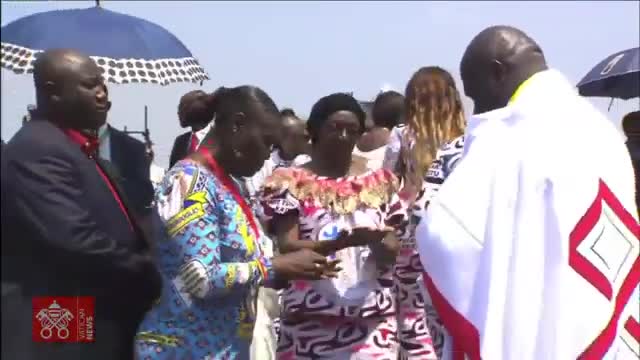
(386, 251)
(362, 237)
(304, 264)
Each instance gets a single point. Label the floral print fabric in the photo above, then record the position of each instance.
(320, 319)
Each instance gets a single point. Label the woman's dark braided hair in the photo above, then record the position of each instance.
(225, 102)
(329, 105)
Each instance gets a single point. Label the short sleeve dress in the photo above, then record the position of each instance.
(353, 316)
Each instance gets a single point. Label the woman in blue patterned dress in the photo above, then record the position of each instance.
(210, 255)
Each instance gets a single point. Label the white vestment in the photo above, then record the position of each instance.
(531, 246)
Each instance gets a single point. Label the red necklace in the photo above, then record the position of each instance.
(228, 183)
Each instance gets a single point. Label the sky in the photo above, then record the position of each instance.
(301, 51)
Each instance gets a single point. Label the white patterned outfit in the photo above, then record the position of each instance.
(411, 299)
(353, 316)
(265, 333)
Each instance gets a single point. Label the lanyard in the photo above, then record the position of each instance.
(229, 184)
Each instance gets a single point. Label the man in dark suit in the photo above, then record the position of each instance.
(129, 157)
(194, 112)
(631, 127)
(181, 148)
(67, 228)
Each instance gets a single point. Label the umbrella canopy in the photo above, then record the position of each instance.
(128, 49)
(617, 76)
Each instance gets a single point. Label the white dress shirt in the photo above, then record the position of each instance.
(156, 174)
(104, 151)
(200, 134)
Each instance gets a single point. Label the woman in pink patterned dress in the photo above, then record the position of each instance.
(337, 207)
(432, 144)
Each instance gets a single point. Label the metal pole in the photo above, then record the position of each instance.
(98, 3)
(147, 135)
(610, 103)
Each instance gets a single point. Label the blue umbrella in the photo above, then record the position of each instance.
(617, 76)
(128, 49)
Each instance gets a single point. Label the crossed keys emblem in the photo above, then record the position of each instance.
(54, 317)
(281, 206)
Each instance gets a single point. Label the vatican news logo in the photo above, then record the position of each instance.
(63, 319)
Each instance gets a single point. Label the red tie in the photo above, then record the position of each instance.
(89, 145)
(194, 143)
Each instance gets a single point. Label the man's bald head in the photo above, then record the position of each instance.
(500, 42)
(54, 64)
(70, 89)
(631, 125)
(496, 62)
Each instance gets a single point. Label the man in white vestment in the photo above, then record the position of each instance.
(531, 246)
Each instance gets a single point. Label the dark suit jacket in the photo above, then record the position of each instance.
(128, 155)
(64, 234)
(180, 148)
(633, 144)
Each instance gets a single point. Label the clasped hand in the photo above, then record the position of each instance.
(383, 243)
(362, 237)
(305, 264)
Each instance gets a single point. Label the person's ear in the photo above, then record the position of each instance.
(239, 121)
(498, 70)
(51, 90)
(307, 136)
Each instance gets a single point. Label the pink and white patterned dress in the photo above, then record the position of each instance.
(415, 309)
(355, 315)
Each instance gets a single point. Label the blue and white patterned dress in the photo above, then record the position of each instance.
(212, 264)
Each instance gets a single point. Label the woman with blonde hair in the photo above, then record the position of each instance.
(435, 117)
(432, 143)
